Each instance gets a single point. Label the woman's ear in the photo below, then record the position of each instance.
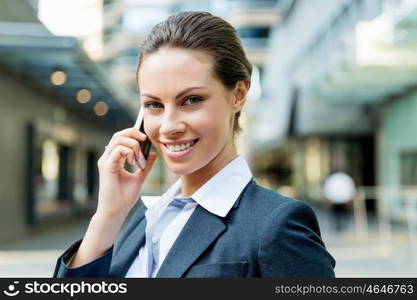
(239, 95)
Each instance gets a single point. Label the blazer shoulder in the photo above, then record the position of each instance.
(290, 243)
(267, 197)
(262, 203)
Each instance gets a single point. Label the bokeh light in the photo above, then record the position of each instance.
(83, 96)
(101, 108)
(58, 78)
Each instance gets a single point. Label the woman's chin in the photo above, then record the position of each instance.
(181, 168)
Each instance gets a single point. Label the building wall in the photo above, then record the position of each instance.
(298, 58)
(20, 104)
(289, 42)
(18, 11)
(396, 137)
(292, 38)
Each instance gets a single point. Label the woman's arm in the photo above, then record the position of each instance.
(98, 239)
(91, 256)
(291, 246)
(99, 267)
(118, 194)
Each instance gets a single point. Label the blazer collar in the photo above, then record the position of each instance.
(201, 230)
(127, 247)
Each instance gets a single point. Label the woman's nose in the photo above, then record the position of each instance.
(171, 124)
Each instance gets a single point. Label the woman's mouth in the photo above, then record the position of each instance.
(179, 150)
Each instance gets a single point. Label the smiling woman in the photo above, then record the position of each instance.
(215, 221)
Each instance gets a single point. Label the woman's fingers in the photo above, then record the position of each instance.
(117, 156)
(128, 142)
(150, 161)
(119, 188)
(128, 132)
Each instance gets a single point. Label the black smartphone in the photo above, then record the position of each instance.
(146, 145)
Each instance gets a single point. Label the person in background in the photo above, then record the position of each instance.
(339, 190)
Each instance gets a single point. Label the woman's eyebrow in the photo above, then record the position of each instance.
(178, 95)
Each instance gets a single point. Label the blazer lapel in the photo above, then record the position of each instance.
(128, 250)
(198, 233)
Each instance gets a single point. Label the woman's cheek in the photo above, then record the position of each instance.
(205, 118)
(151, 130)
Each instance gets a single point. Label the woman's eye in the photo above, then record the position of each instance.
(192, 100)
(189, 101)
(152, 105)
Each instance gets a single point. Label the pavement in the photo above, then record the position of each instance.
(36, 255)
(371, 255)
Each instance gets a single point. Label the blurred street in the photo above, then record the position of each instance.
(330, 118)
(371, 256)
(354, 258)
(39, 251)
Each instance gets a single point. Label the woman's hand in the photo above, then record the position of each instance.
(118, 188)
(118, 193)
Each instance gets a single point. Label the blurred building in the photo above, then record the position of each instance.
(58, 110)
(340, 92)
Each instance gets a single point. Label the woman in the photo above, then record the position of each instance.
(193, 77)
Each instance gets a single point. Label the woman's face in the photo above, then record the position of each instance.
(188, 112)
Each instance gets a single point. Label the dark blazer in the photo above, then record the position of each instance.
(263, 235)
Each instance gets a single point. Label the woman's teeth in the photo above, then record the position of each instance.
(180, 147)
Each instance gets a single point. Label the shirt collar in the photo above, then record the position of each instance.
(217, 195)
(154, 202)
(222, 190)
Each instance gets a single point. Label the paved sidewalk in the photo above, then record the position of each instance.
(374, 255)
(371, 258)
(36, 256)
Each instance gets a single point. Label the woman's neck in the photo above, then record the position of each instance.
(192, 182)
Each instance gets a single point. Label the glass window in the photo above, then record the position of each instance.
(409, 168)
(52, 188)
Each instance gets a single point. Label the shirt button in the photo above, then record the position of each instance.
(154, 240)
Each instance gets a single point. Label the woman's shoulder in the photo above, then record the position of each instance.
(266, 201)
(269, 209)
(266, 196)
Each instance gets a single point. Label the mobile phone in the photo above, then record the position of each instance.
(146, 145)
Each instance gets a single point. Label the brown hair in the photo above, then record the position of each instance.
(203, 31)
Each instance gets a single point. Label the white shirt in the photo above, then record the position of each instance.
(217, 195)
